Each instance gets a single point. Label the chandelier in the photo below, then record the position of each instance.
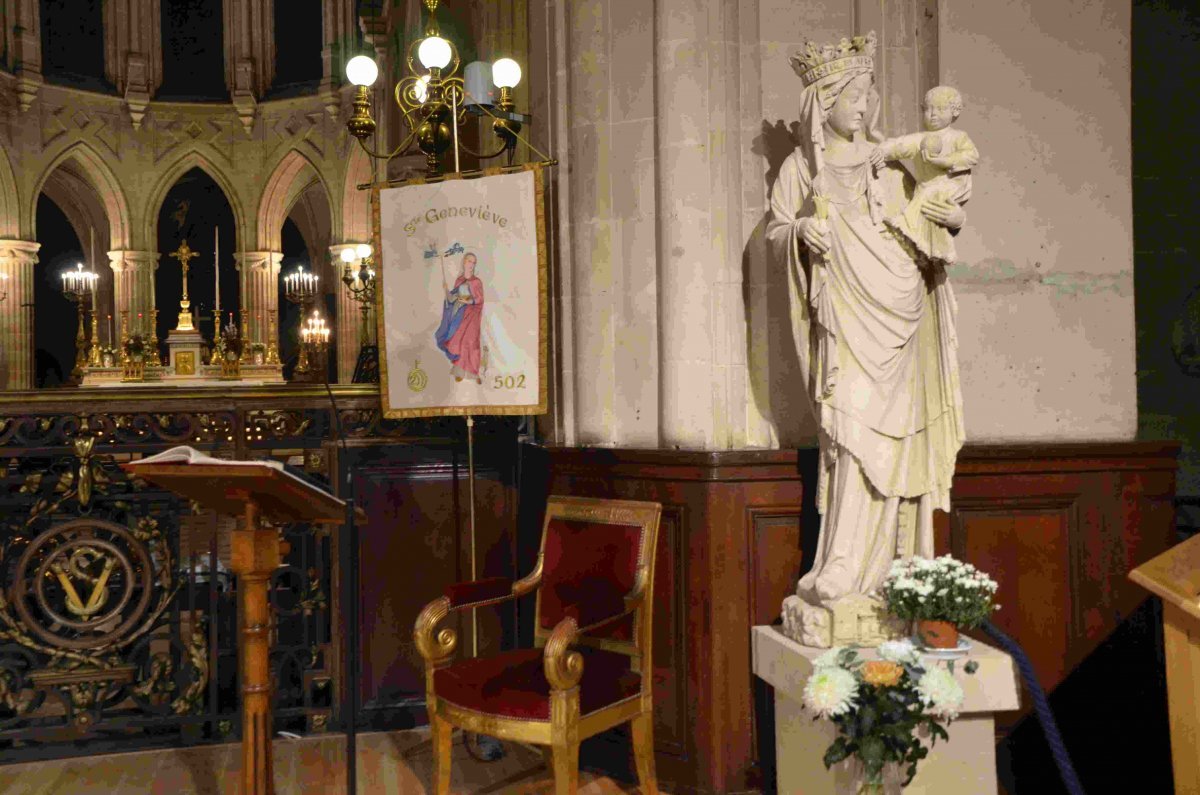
(435, 99)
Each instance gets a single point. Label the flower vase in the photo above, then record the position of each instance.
(871, 787)
(937, 634)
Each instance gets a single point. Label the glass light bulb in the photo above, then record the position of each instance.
(362, 71)
(506, 73)
(363, 250)
(434, 53)
(348, 255)
(421, 89)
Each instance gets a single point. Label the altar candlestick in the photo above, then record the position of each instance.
(92, 261)
(217, 268)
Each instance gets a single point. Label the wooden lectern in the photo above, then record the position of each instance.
(257, 493)
(1174, 576)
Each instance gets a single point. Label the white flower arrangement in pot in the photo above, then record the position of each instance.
(941, 596)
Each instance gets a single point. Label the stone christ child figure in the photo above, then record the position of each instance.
(941, 160)
(876, 343)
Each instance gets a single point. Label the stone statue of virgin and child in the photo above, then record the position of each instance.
(864, 226)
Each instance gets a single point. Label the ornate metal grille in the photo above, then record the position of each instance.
(118, 615)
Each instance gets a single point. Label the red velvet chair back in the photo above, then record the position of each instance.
(594, 554)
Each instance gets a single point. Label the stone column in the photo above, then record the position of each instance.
(17, 368)
(133, 52)
(133, 284)
(259, 282)
(349, 319)
(338, 32)
(906, 62)
(26, 51)
(705, 395)
(249, 53)
(608, 227)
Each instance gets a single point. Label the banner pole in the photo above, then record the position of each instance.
(471, 501)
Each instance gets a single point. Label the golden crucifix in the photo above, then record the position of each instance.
(185, 255)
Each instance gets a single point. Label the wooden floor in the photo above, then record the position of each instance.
(397, 763)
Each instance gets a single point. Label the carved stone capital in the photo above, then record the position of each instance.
(122, 261)
(19, 252)
(259, 261)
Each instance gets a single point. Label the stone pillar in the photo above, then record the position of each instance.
(249, 53)
(906, 62)
(337, 26)
(259, 282)
(26, 52)
(349, 319)
(133, 52)
(609, 239)
(133, 284)
(654, 109)
(17, 368)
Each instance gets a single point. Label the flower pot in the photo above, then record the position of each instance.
(937, 634)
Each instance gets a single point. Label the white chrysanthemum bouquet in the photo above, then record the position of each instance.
(942, 589)
(880, 706)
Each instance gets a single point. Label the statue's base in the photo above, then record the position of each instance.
(854, 620)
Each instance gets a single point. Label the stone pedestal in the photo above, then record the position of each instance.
(185, 349)
(967, 763)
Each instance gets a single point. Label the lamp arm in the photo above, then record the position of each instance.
(497, 153)
(388, 156)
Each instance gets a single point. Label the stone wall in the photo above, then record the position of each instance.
(671, 118)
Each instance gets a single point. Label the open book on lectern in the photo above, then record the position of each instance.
(184, 454)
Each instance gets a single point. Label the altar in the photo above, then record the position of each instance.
(193, 359)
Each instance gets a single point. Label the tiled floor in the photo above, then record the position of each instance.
(397, 763)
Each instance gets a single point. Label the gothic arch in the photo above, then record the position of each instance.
(167, 180)
(356, 204)
(10, 204)
(91, 168)
(292, 176)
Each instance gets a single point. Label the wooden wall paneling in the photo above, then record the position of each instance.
(713, 504)
(1027, 546)
(414, 543)
(1058, 525)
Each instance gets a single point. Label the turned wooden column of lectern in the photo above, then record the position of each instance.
(1174, 576)
(258, 493)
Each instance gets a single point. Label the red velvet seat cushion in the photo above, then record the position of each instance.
(513, 683)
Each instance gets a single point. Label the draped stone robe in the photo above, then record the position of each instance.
(876, 340)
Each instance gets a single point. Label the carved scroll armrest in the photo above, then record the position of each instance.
(563, 667)
(434, 648)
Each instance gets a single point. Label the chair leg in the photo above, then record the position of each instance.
(442, 734)
(643, 752)
(566, 768)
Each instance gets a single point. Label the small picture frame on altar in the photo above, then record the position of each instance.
(108, 358)
(257, 354)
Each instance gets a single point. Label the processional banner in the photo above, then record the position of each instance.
(462, 299)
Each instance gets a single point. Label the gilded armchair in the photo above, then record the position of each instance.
(590, 669)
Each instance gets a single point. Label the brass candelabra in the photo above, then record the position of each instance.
(79, 286)
(434, 99)
(360, 283)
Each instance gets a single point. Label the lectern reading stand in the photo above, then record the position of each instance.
(1174, 576)
(258, 492)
